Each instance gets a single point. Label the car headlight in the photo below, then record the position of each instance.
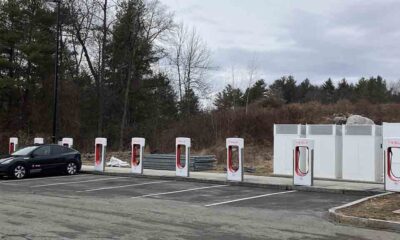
(6, 161)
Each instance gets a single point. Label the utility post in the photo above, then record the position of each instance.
(56, 75)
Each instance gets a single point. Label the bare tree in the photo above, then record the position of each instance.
(252, 71)
(191, 60)
(176, 57)
(233, 85)
(155, 22)
(395, 87)
(90, 27)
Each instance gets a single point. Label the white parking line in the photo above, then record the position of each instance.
(85, 181)
(14, 182)
(248, 198)
(122, 186)
(179, 191)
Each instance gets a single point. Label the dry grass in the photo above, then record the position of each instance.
(257, 157)
(377, 208)
(209, 130)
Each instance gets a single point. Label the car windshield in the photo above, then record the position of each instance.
(24, 151)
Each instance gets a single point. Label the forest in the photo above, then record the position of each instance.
(129, 68)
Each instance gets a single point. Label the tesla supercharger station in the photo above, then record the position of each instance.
(303, 162)
(182, 171)
(100, 154)
(235, 173)
(67, 142)
(38, 140)
(391, 151)
(13, 145)
(137, 155)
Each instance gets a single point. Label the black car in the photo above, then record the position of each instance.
(40, 158)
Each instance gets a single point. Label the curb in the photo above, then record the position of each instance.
(244, 184)
(340, 218)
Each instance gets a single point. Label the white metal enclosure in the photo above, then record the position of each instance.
(182, 170)
(303, 162)
(13, 145)
(362, 153)
(100, 154)
(234, 146)
(67, 142)
(137, 149)
(284, 134)
(327, 150)
(391, 151)
(38, 140)
(390, 130)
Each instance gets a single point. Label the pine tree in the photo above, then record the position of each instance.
(229, 98)
(255, 92)
(189, 105)
(27, 46)
(328, 92)
(284, 87)
(345, 90)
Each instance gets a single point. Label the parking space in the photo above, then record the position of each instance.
(194, 193)
(88, 205)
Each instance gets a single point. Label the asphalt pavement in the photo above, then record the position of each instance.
(111, 207)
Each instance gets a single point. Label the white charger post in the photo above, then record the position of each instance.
(137, 149)
(100, 154)
(182, 170)
(235, 173)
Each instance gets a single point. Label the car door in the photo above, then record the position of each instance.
(59, 154)
(41, 158)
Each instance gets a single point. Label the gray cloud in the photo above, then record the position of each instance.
(361, 40)
(307, 39)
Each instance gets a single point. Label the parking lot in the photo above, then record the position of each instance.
(96, 206)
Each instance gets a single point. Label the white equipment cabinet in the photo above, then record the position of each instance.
(390, 130)
(38, 140)
(284, 134)
(362, 153)
(67, 142)
(327, 150)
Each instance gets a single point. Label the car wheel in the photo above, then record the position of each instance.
(19, 171)
(72, 168)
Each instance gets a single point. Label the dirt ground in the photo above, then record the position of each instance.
(378, 208)
(258, 158)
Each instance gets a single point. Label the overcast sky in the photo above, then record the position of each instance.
(305, 38)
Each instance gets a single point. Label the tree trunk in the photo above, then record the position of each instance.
(102, 72)
(126, 104)
(131, 70)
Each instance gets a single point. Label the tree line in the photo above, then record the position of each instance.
(286, 90)
(127, 68)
